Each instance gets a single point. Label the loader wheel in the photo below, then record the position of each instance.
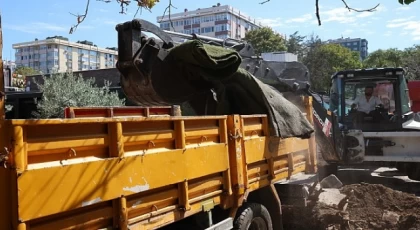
(253, 216)
(326, 170)
(400, 166)
(413, 171)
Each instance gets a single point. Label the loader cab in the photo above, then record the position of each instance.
(388, 85)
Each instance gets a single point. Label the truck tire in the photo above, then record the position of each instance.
(253, 216)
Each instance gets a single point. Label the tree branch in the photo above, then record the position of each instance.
(123, 4)
(80, 18)
(168, 8)
(356, 10)
(264, 2)
(347, 7)
(317, 12)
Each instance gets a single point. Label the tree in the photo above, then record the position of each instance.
(411, 61)
(384, 58)
(295, 44)
(323, 60)
(26, 71)
(66, 89)
(265, 39)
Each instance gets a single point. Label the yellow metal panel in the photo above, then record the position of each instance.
(153, 221)
(51, 190)
(278, 146)
(256, 150)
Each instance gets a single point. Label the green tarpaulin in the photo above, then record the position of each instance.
(238, 91)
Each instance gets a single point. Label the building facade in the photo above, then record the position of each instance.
(216, 21)
(58, 54)
(355, 44)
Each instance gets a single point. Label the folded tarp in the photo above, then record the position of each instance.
(237, 90)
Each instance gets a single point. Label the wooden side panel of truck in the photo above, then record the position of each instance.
(142, 172)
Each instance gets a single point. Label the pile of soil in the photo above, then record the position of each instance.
(369, 206)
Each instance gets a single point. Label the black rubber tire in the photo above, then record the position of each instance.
(326, 170)
(400, 166)
(413, 171)
(249, 213)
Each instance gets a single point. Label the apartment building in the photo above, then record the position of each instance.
(356, 44)
(216, 21)
(58, 54)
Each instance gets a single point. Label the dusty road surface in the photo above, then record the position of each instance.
(368, 198)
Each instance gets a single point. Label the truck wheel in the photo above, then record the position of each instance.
(253, 216)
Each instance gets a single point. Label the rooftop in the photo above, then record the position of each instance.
(87, 45)
(208, 11)
(348, 39)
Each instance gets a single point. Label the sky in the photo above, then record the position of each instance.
(390, 26)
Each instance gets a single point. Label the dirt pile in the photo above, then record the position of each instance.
(368, 206)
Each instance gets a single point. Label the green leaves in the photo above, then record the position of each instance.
(408, 58)
(323, 60)
(265, 40)
(406, 2)
(65, 89)
(26, 71)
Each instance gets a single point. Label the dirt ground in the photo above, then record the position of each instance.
(369, 206)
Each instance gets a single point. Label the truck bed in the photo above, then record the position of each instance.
(142, 172)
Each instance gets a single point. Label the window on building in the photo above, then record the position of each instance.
(207, 29)
(208, 18)
(196, 20)
(187, 22)
(222, 27)
(196, 30)
(223, 16)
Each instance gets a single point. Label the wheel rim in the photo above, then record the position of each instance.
(258, 223)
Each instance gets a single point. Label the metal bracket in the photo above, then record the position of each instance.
(237, 135)
(4, 157)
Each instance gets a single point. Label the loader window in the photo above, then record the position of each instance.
(405, 98)
(335, 96)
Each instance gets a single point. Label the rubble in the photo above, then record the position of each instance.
(331, 181)
(331, 198)
(358, 206)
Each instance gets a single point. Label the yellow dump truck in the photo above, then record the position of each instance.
(146, 168)
(144, 171)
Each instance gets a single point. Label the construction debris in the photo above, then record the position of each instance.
(331, 181)
(358, 206)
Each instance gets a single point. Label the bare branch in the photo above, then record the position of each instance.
(80, 18)
(138, 8)
(168, 8)
(317, 12)
(347, 7)
(356, 10)
(264, 2)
